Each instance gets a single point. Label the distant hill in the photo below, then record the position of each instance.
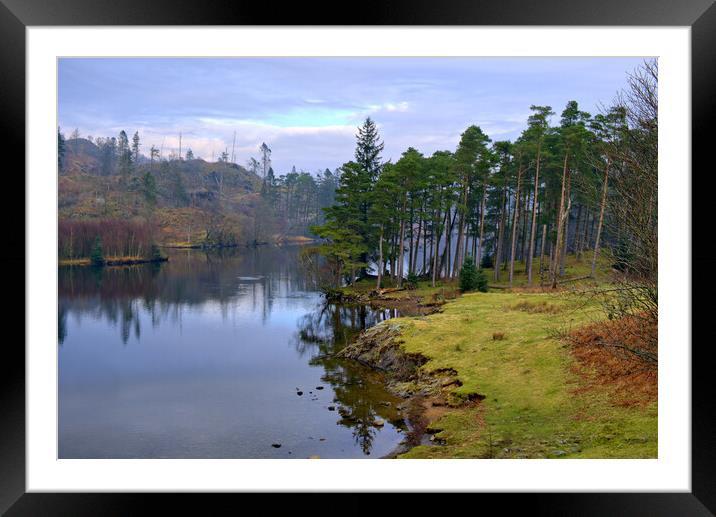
(81, 155)
(191, 201)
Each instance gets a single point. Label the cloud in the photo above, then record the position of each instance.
(308, 109)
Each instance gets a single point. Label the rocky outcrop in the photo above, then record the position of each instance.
(380, 347)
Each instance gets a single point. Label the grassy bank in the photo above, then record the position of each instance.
(540, 399)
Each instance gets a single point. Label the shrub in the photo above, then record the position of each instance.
(156, 253)
(119, 238)
(472, 279)
(411, 282)
(97, 257)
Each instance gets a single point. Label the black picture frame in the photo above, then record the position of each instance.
(700, 15)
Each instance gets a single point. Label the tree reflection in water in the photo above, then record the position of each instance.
(362, 401)
(190, 279)
(254, 283)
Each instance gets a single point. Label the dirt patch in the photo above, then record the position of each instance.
(406, 306)
(630, 378)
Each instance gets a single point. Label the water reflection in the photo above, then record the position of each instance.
(190, 279)
(362, 403)
(203, 357)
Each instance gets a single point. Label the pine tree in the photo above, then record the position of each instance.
(135, 147)
(60, 149)
(368, 149)
(471, 278)
(124, 156)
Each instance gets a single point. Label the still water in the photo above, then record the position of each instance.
(205, 356)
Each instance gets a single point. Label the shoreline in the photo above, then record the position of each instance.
(113, 261)
(276, 241)
(426, 395)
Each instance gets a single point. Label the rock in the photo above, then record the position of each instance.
(559, 453)
(331, 408)
(378, 422)
(299, 393)
(319, 387)
(321, 439)
(275, 445)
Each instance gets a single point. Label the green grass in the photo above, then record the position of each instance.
(574, 268)
(530, 408)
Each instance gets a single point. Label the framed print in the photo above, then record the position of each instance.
(418, 250)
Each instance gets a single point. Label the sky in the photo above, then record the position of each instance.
(307, 110)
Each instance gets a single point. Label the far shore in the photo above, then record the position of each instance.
(111, 261)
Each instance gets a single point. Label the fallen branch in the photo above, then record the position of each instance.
(390, 290)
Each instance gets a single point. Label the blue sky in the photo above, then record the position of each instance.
(307, 109)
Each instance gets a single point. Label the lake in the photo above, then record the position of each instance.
(223, 354)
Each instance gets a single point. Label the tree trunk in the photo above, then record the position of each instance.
(460, 229)
(481, 243)
(522, 243)
(500, 235)
(563, 257)
(401, 248)
(514, 224)
(380, 258)
(436, 239)
(412, 231)
(541, 255)
(584, 241)
(558, 244)
(530, 254)
(601, 218)
(578, 234)
(417, 247)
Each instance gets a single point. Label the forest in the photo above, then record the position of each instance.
(585, 183)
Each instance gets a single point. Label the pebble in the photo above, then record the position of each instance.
(319, 387)
(331, 408)
(299, 393)
(275, 445)
(379, 422)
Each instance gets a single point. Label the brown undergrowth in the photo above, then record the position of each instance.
(614, 355)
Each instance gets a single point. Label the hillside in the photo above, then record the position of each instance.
(191, 202)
